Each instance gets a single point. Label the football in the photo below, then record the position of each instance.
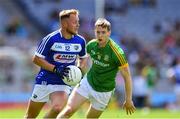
(74, 76)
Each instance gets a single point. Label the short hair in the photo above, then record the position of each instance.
(103, 23)
(66, 13)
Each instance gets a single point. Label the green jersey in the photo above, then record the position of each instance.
(105, 64)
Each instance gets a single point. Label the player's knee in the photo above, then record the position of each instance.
(57, 108)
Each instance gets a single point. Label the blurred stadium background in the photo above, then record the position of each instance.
(148, 31)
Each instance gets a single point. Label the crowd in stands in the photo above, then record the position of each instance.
(155, 65)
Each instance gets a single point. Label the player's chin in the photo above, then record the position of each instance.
(75, 33)
(99, 39)
(76, 30)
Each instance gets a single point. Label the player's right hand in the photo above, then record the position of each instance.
(129, 107)
(61, 71)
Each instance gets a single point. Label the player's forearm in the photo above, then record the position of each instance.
(128, 89)
(128, 82)
(43, 63)
(83, 65)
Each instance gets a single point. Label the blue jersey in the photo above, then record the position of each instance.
(57, 50)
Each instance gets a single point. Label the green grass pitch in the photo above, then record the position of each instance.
(109, 113)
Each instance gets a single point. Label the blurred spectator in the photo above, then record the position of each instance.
(144, 3)
(164, 26)
(2, 40)
(54, 20)
(151, 73)
(140, 88)
(169, 43)
(174, 76)
(119, 7)
(177, 25)
(6, 70)
(149, 3)
(42, 1)
(16, 27)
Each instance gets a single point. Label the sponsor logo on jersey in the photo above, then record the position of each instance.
(93, 52)
(100, 63)
(106, 58)
(64, 58)
(66, 47)
(99, 57)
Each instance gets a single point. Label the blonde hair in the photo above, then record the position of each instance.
(66, 13)
(103, 23)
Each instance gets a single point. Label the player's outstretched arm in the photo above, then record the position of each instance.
(128, 104)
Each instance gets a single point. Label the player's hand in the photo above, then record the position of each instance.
(65, 71)
(129, 107)
(61, 70)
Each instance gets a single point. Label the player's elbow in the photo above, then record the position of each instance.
(35, 60)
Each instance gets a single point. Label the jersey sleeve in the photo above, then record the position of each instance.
(44, 47)
(83, 54)
(87, 48)
(90, 45)
(119, 54)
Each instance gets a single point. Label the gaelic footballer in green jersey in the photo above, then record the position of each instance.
(99, 83)
(106, 61)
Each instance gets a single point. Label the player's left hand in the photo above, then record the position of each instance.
(65, 71)
(61, 71)
(129, 107)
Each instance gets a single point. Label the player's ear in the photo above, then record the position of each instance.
(109, 33)
(64, 23)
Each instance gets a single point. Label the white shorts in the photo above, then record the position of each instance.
(41, 92)
(98, 100)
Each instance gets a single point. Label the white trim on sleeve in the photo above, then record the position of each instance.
(39, 55)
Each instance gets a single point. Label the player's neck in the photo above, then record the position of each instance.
(65, 34)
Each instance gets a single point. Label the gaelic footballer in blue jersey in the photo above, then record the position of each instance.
(54, 53)
(58, 51)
